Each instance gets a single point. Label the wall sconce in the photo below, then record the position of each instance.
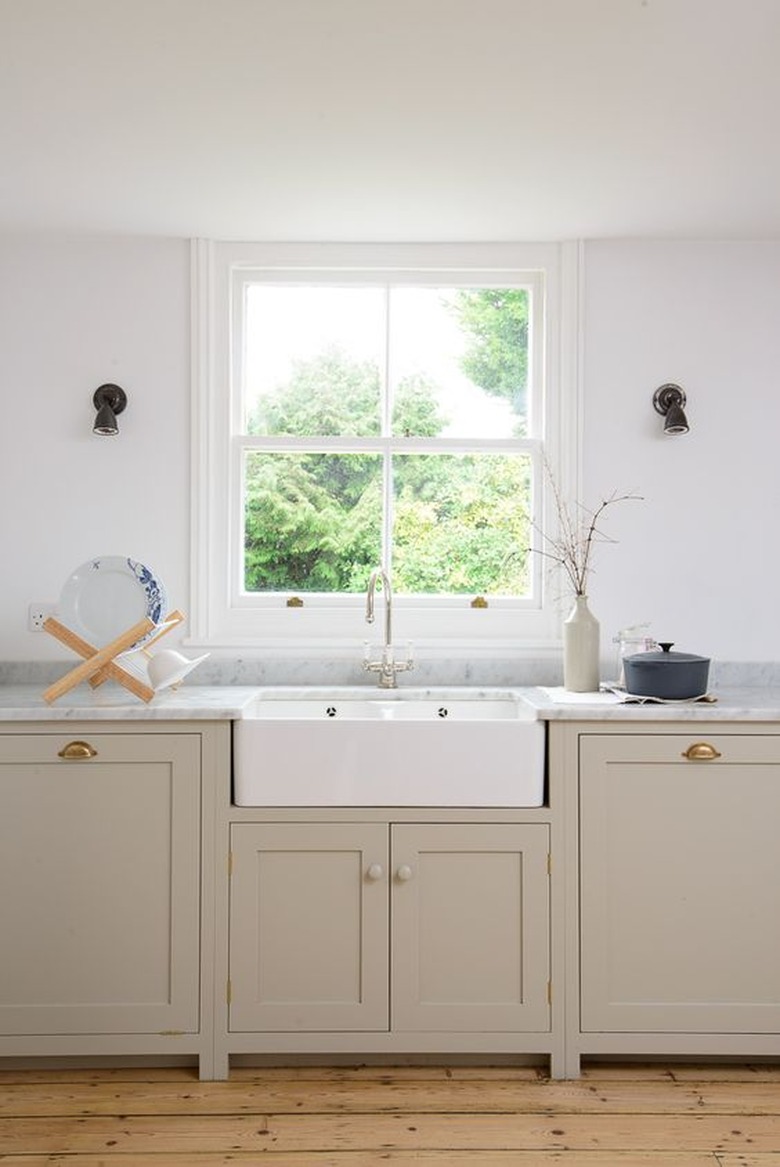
(109, 400)
(669, 400)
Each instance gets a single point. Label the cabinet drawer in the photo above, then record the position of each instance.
(125, 749)
(680, 748)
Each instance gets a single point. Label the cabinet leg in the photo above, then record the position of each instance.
(216, 1069)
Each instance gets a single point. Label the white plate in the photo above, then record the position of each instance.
(108, 595)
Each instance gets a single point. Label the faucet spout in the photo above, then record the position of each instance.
(380, 575)
(387, 667)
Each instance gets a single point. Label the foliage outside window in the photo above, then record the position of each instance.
(393, 369)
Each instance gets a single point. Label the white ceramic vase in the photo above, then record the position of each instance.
(581, 649)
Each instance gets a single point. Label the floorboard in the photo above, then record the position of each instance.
(632, 1115)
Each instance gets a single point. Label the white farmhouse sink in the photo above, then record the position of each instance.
(380, 750)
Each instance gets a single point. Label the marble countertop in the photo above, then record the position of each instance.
(738, 704)
(112, 703)
(229, 702)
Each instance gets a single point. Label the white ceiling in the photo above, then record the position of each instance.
(391, 119)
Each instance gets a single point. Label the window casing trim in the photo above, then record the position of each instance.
(221, 616)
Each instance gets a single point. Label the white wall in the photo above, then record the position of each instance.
(698, 558)
(75, 314)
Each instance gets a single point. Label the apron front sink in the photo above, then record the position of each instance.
(407, 749)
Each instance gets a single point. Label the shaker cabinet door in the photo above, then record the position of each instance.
(680, 884)
(308, 927)
(471, 949)
(100, 878)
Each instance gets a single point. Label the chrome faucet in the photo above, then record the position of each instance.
(388, 667)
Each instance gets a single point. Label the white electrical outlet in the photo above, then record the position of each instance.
(37, 613)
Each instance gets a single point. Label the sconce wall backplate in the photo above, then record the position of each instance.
(666, 395)
(111, 395)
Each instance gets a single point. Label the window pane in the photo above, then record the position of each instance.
(459, 361)
(312, 522)
(461, 524)
(312, 360)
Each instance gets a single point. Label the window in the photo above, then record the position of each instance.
(358, 406)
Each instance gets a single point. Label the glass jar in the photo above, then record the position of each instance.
(630, 641)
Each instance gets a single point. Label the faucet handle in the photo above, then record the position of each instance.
(386, 665)
(373, 657)
(407, 663)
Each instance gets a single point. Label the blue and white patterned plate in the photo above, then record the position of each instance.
(106, 596)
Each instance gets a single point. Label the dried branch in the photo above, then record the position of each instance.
(573, 544)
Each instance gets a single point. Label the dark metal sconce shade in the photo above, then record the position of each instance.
(109, 400)
(669, 400)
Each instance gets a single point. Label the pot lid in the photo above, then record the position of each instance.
(666, 656)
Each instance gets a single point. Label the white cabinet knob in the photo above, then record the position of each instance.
(375, 872)
(404, 872)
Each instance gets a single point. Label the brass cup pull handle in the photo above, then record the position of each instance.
(701, 752)
(77, 751)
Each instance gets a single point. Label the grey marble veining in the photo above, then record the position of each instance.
(346, 671)
(219, 670)
(507, 671)
(745, 674)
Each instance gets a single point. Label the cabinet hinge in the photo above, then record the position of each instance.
(549, 863)
(229, 992)
(230, 864)
(549, 992)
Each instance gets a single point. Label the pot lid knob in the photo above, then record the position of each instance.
(665, 645)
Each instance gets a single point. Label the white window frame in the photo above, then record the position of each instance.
(221, 614)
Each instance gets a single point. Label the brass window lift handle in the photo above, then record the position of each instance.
(701, 752)
(77, 751)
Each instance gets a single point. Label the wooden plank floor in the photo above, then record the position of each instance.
(614, 1116)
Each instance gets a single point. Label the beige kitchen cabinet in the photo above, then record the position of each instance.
(679, 885)
(395, 928)
(100, 867)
